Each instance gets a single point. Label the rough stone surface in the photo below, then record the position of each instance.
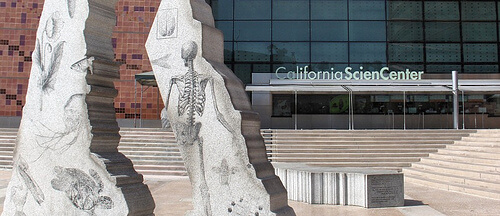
(66, 160)
(210, 113)
(364, 187)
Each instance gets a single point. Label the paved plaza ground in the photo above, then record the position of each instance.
(173, 198)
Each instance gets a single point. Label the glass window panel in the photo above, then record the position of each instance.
(227, 29)
(400, 67)
(252, 51)
(478, 10)
(367, 52)
(261, 68)
(442, 68)
(481, 68)
(329, 31)
(252, 9)
(367, 10)
(367, 66)
(290, 52)
(367, 31)
(252, 30)
(406, 52)
(480, 52)
(290, 31)
(222, 9)
(228, 51)
(291, 9)
(479, 31)
(448, 52)
(441, 10)
(405, 31)
(328, 66)
(329, 52)
(404, 10)
(244, 72)
(442, 31)
(329, 9)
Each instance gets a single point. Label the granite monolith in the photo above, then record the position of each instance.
(210, 113)
(66, 160)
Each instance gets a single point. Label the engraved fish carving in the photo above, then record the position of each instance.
(30, 183)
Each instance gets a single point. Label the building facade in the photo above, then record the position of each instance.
(328, 63)
(308, 63)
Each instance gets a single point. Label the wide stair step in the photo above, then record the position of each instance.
(470, 166)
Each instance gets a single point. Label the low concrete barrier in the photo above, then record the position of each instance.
(364, 187)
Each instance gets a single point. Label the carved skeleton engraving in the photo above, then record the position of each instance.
(82, 190)
(225, 172)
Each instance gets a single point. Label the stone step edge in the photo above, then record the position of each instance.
(436, 160)
(456, 169)
(440, 184)
(456, 179)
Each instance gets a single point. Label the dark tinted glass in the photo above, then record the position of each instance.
(291, 9)
(405, 31)
(227, 29)
(222, 9)
(478, 10)
(479, 31)
(329, 9)
(252, 51)
(406, 52)
(367, 10)
(481, 68)
(329, 52)
(404, 10)
(252, 30)
(480, 52)
(291, 52)
(329, 30)
(244, 72)
(367, 31)
(447, 52)
(367, 52)
(290, 31)
(441, 10)
(442, 31)
(252, 9)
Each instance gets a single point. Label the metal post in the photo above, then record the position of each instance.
(349, 116)
(352, 110)
(140, 111)
(404, 110)
(463, 110)
(454, 77)
(296, 102)
(135, 102)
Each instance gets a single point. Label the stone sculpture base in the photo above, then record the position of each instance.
(368, 188)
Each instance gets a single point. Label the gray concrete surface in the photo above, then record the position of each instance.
(173, 198)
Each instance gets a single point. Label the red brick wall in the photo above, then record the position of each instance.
(18, 24)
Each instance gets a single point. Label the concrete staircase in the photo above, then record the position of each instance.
(7, 143)
(153, 151)
(471, 165)
(381, 149)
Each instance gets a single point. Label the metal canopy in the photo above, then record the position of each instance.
(146, 79)
(467, 86)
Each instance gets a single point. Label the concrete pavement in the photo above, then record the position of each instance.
(173, 198)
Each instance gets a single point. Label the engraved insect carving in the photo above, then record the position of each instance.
(83, 190)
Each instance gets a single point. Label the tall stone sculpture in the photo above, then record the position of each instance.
(66, 160)
(209, 111)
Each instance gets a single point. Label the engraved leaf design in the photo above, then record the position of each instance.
(33, 187)
(170, 24)
(37, 55)
(48, 79)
